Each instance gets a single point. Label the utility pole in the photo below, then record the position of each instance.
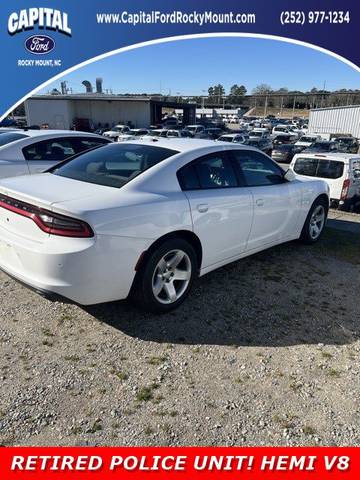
(293, 111)
(265, 106)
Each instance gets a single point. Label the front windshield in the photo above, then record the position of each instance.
(113, 165)
(307, 139)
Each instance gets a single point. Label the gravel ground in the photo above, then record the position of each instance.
(264, 352)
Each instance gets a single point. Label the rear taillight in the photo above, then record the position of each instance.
(345, 189)
(49, 222)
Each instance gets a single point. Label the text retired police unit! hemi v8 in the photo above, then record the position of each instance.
(48, 18)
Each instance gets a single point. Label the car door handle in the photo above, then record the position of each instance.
(203, 207)
(260, 202)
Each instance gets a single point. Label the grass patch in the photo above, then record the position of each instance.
(96, 426)
(119, 374)
(145, 394)
(332, 372)
(309, 430)
(149, 430)
(156, 360)
(326, 355)
(344, 246)
(72, 358)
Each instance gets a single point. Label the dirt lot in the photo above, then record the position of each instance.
(264, 352)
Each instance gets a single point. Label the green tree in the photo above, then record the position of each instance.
(236, 92)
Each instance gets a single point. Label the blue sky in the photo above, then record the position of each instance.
(189, 67)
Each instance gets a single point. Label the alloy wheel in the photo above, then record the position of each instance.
(317, 221)
(171, 276)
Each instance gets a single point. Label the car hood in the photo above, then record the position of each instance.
(47, 189)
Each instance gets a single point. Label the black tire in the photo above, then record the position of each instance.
(306, 236)
(142, 292)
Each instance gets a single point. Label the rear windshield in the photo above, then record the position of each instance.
(321, 168)
(6, 138)
(284, 148)
(113, 165)
(253, 143)
(307, 139)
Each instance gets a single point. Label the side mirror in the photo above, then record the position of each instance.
(289, 175)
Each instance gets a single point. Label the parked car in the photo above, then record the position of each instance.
(101, 131)
(283, 138)
(307, 140)
(178, 134)
(347, 144)
(194, 129)
(260, 132)
(170, 122)
(341, 171)
(279, 129)
(322, 146)
(144, 219)
(210, 133)
(284, 153)
(233, 138)
(264, 144)
(133, 133)
(33, 151)
(116, 131)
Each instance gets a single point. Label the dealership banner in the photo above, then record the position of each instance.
(42, 40)
(179, 463)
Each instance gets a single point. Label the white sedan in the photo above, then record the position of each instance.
(145, 218)
(24, 152)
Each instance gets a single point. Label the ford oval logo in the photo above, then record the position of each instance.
(39, 44)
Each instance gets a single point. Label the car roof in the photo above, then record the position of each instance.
(40, 133)
(331, 156)
(179, 144)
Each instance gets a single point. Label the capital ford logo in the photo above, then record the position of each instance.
(39, 44)
(43, 18)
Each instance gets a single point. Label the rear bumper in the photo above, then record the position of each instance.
(52, 296)
(84, 271)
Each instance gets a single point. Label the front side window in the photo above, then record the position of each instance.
(256, 169)
(113, 165)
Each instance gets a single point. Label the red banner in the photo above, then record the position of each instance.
(179, 463)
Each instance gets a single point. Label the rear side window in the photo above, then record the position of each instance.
(89, 142)
(321, 168)
(10, 137)
(56, 149)
(188, 178)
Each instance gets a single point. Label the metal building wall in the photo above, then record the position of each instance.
(340, 120)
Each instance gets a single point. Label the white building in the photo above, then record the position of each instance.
(62, 111)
